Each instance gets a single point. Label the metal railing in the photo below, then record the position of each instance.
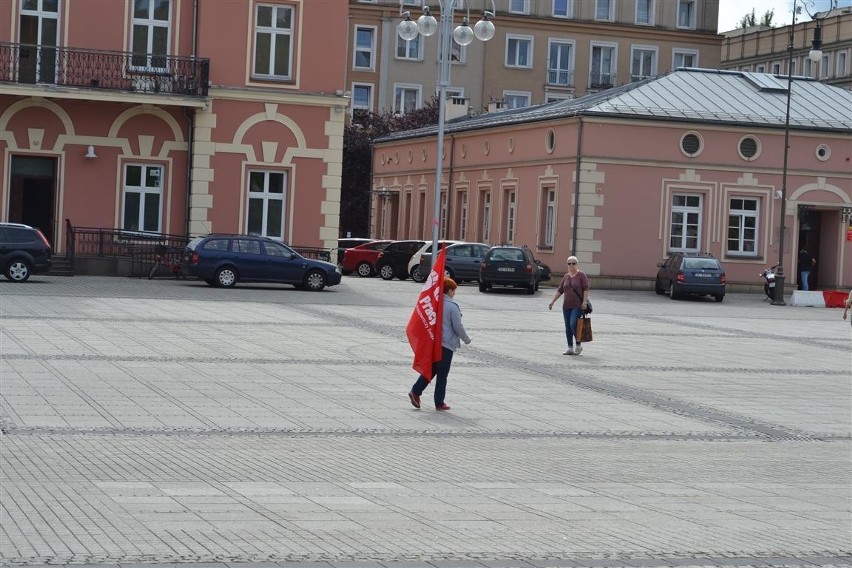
(100, 69)
(560, 77)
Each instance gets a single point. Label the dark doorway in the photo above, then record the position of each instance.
(31, 199)
(810, 221)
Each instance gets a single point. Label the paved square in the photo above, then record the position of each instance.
(169, 422)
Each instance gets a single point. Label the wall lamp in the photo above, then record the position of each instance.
(90, 153)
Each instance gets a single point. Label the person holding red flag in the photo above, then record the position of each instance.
(435, 331)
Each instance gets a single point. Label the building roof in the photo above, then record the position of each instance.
(705, 96)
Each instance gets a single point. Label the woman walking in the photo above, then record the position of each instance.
(452, 333)
(575, 287)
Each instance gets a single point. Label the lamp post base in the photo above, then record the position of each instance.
(778, 300)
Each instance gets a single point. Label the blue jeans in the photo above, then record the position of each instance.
(440, 371)
(803, 279)
(571, 316)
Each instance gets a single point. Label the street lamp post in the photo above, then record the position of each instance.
(426, 25)
(815, 55)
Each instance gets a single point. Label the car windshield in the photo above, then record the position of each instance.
(511, 255)
(700, 263)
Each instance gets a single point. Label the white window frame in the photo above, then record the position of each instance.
(684, 53)
(407, 47)
(370, 51)
(824, 66)
(742, 216)
(610, 10)
(652, 67)
(567, 12)
(689, 6)
(652, 6)
(776, 68)
(143, 191)
(511, 214)
(275, 34)
(459, 53)
(267, 196)
(151, 24)
(485, 222)
(519, 40)
(808, 68)
(519, 6)
(370, 87)
(550, 97)
(840, 64)
(517, 96)
(613, 61)
(400, 89)
(548, 222)
(560, 70)
(463, 215)
(682, 233)
(761, 69)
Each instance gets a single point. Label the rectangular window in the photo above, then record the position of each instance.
(643, 63)
(518, 51)
(685, 223)
(406, 98)
(686, 14)
(365, 47)
(603, 10)
(515, 99)
(273, 42)
(645, 12)
(776, 68)
(742, 227)
(761, 69)
(824, 66)
(560, 63)
(841, 64)
(791, 67)
(548, 216)
(684, 58)
(143, 198)
(808, 71)
(602, 66)
(458, 55)
(511, 211)
(444, 220)
(519, 6)
(409, 49)
(562, 8)
(462, 213)
(39, 26)
(553, 97)
(151, 24)
(485, 217)
(362, 96)
(266, 201)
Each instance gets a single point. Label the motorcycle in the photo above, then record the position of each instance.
(768, 276)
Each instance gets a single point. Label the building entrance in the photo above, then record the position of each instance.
(32, 190)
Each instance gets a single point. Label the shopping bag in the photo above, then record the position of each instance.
(584, 329)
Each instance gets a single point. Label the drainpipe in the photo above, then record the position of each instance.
(577, 188)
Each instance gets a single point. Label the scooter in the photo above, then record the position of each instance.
(768, 276)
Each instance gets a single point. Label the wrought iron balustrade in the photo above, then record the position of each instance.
(564, 77)
(99, 69)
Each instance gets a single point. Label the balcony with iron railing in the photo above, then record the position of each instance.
(599, 80)
(560, 77)
(26, 64)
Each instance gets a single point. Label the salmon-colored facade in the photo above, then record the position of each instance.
(173, 116)
(643, 191)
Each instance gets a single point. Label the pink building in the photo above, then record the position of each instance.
(690, 161)
(173, 116)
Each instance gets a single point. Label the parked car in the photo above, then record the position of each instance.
(543, 271)
(24, 250)
(393, 261)
(413, 267)
(362, 259)
(224, 260)
(685, 273)
(505, 265)
(461, 263)
(347, 243)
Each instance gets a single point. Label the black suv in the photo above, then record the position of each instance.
(685, 273)
(23, 251)
(506, 265)
(393, 261)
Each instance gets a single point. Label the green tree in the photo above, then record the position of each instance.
(358, 137)
(750, 20)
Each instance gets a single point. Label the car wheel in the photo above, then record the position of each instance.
(386, 272)
(719, 297)
(364, 270)
(482, 287)
(226, 277)
(18, 270)
(672, 293)
(417, 275)
(531, 289)
(658, 287)
(315, 280)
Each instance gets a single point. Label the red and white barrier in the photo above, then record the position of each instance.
(819, 298)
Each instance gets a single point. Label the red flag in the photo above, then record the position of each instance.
(424, 326)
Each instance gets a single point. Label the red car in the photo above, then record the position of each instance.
(362, 259)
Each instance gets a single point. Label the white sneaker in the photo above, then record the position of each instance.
(578, 349)
(569, 352)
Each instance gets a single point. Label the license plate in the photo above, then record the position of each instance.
(704, 276)
(505, 269)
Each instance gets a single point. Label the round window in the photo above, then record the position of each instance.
(823, 152)
(550, 141)
(691, 144)
(749, 148)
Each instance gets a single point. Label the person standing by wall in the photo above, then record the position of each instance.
(848, 304)
(575, 287)
(452, 334)
(806, 264)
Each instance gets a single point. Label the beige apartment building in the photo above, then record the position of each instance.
(543, 50)
(761, 49)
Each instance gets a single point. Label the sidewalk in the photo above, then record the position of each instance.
(168, 422)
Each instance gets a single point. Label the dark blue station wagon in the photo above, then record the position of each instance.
(224, 260)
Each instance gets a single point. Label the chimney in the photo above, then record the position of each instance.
(496, 106)
(456, 107)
